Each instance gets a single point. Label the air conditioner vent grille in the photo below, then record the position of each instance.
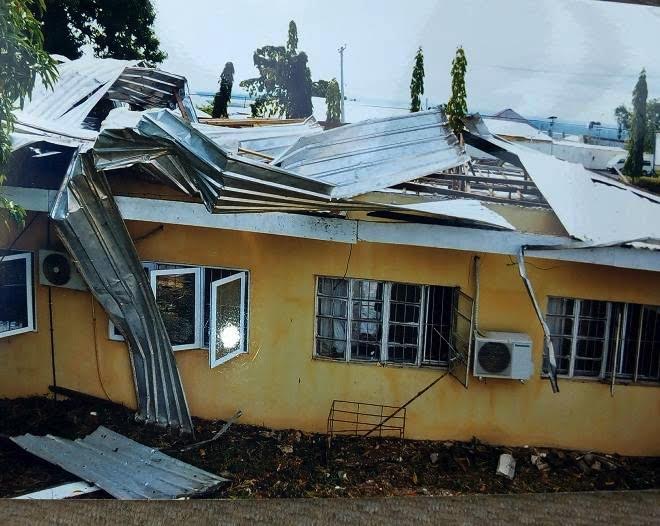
(57, 269)
(494, 357)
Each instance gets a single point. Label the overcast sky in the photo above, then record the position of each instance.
(577, 59)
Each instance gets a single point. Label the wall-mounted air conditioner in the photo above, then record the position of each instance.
(57, 270)
(503, 355)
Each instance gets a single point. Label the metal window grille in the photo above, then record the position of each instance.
(366, 320)
(605, 339)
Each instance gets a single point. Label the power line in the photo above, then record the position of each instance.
(562, 72)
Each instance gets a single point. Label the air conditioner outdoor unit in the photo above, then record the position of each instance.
(503, 355)
(57, 270)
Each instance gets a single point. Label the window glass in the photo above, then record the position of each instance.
(367, 316)
(176, 300)
(15, 303)
(403, 335)
(228, 319)
(590, 347)
(438, 327)
(368, 320)
(332, 318)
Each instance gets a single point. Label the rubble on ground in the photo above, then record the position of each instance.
(269, 463)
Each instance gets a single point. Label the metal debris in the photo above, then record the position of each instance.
(506, 466)
(122, 467)
(64, 491)
(215, 437)
(89, 223)
(376, 153)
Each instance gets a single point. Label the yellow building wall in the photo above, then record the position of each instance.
(279, 384)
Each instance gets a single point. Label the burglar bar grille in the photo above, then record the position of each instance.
(357, 418)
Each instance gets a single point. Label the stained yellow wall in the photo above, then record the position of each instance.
(279, 384)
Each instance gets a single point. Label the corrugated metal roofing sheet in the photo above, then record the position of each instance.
(376, 154)
(591, 207)
(59, 113)
(172, 150)
(268, 140)
(122, 467)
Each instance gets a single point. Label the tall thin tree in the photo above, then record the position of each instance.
(635, 161)
(223, 96)
(417, 82)
(333, 103)
(292, 40)
(456, 108)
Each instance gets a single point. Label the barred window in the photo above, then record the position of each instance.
(376, 321)
(600, 338)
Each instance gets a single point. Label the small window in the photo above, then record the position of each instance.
(599, 339)
(184, 296)
(16, 294)
(377, 321)
(227, 326)
(579, 334)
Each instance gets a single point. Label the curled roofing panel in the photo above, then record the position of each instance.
(593, 208)
(90, 225)
(268, 140)
(175, 152)
(124, 468)
(376, 153)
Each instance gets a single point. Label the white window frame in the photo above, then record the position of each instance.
(610, 345)
(242, 277)
(179, 271)
(385, 322)
(111, 333)
(577, 308)
(29, 293)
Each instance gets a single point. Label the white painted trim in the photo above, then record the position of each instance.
(346, 231)
(111, 333)
(213, 362)
(193, 214)
(29, 295)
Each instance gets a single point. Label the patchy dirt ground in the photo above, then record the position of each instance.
(266, 463)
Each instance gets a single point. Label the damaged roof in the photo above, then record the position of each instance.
(376, 153)
(592, 208)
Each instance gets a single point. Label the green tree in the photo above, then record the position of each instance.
(223, 96)
(456, 107)
(634, 162)
(333, 103)
(284, 84)
(121, 29)
(622, 119)
(652, 124)
(320, 88)
(292, 40)
(417, 82)
(22, 59)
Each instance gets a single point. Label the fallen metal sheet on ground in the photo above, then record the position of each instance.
(122, 467)
(64, 491)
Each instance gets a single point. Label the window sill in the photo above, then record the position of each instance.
(380, 364)
(605, 381)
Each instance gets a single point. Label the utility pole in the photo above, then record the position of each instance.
(341, 81)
